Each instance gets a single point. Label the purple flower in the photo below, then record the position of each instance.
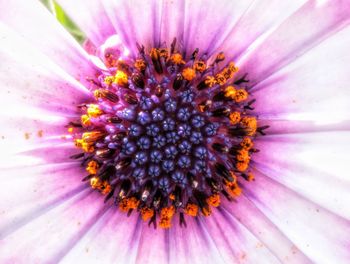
(165, 112)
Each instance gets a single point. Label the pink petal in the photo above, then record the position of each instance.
(91, 18)
(294, 37)
(318, 233)
(312, 88)
(314, 168)
(39, 28)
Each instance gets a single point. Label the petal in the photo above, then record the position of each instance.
(45, 33)
(318, 233)
(315, 168)
(91, 18)
(135, 21)
(295, 36)
(312, 89)
(255, 24)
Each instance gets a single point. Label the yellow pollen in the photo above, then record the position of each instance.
(232, 67)
(120, 78)
(191, 209)
(103, 187)
(146, 213)
(230, 91)
(94, 110)
(200, 66)
(70, 129)
(91, 136)
(85, 120)
(95, 182)
(220, 79)
(235, 117)
(250, 124)
(214, 200)
(210, 81)
(189, 74)
(240, 96)
(108, 80)
(140, 64)
(176, 58)
(92, 167)
(86, 146)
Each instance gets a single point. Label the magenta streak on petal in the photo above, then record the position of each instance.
(44, 32)
(91, 18)
(294, 37)
(309, 226)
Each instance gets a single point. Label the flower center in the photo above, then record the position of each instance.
(167, 135)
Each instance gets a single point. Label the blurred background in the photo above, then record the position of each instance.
(62, 17)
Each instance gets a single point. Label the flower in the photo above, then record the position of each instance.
(293, 205)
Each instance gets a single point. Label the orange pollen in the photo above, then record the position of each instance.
(235, 117)
(123, 205)
(92, 167)
(189, 74)
(230, 92)
(200, 66)
(250, 124)
(165, 223)
(234, 190)
(163, 53)
(242, 166)
(167, 212)
(140, 64)
(214, 200)
(146, 213)
(243, 155)
(120, 78)
(220, 57)
(240, 96)
(70, 130)
(85, 120)
(220, 79)
(172, 196)
(234, 176)
(133, 203)
(206, 211)
(210, 81)
(191, 209)
(177, 58)
(154, 54)
(246, 143)
(250, 177)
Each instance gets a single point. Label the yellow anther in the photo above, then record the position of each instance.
(108, 80)
(85, 120)
(92, 136)
(176, 58)
(220, 79)
(230, 91)
(94, 110)
(206, 211)
(235, 117)
(240, 96)
(232, 67)
(250, 124)
(92, 167)
(246, 143)
(199, 66)
(191, 209)
(120, 78)
(214, 200)
(95, 182)
(140, 64)
(189, 74)
(242, 166)
(210, 81)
